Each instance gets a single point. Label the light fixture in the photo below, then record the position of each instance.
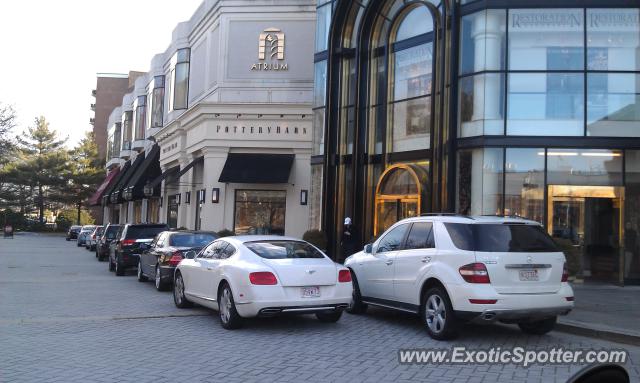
(600, 154)
(215, 195)
(178, 198)
(303, 196)
(562, 154)
(187, 197)
(201, 194)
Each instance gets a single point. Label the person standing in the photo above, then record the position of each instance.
(349, 241)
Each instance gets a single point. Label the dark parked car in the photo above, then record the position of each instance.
(125, 249)
(160, 258)
(104, 242)
(73, 232)
(92, 239)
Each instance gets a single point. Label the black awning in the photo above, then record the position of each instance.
(148, 170)
(252, 168)
(158, 180)
(106, 197)
(191, 164)
(116, 195)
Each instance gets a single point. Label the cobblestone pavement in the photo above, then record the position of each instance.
(65, 318)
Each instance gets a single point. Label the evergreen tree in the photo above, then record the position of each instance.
(40, 165)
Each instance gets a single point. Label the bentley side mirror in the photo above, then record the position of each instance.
(368, 248)
(190, 254)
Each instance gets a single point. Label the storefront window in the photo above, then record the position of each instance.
(524, 183)
(613, 104)
(323, 24)
(153, 210)
(546, 39)
(260, 212)
(180, 77)
(117, 139)
(172, 211)
(318, 131)
(479, 181)
(482, 105)
(412, 82)
(140, 109)
(483, 41)
(632, 216)
(545, 104)
(320, 83)
(584, 167)
(315, 199)
(613, 39)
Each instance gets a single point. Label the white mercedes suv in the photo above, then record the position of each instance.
(451, 269)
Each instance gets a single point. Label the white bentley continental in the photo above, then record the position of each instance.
(255, 276)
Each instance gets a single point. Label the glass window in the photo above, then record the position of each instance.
(632, 215)
(156, 100)
(613, 104)
(127, 129)
(511, 238)
(318, 131)
(420, 236)
(481, 105)
(545, 104)
(260, 212)
(483, 41)
(398, 181)
(535, 35)
(392, 240)
(584, 167)
(181, 86)
(524, 183)
(480, 181)
(613, 39)
(417, 22)
(320, 83)
(228, 251)
(141, 118)
(411, 124)
(323, 25)
(412, 72)
(283, 249)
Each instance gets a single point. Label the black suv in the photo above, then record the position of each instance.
(104, 242)
(125, 249)
(73, 232)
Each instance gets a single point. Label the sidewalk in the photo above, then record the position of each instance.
(604, 311)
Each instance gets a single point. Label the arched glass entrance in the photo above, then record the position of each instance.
(398, 196)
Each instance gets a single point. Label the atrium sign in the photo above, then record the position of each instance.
(270, 51)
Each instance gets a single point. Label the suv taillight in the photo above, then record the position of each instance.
(263, 278)
(475, 273)
(344, 276)
(565, 273)
(127, 242)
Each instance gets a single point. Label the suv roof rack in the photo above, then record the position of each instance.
(445, 215)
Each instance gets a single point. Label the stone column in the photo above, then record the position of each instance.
(214, 216)
(143, 211)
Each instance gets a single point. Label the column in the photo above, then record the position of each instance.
(214, 216)
(143, 211)
(184, 209)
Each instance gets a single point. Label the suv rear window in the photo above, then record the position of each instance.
(283, 249)
(144, 232)
(512, 238)
(112, 231)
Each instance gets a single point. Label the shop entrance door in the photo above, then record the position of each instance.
(586, 222)
(398, 196)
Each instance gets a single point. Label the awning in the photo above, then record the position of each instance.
(158, 180)
(252, 168)
(107, 193)
(191, 164)
(96, 198)
(116, 195)
(148, 170)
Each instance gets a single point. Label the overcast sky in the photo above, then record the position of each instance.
(52, 50)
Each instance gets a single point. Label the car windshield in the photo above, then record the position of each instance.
(142, 232)
(191, 239)
(283, 249)
(512, 238)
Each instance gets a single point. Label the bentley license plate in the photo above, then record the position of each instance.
(311, 292)
(529, 275)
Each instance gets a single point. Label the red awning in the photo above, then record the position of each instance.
(96, 198)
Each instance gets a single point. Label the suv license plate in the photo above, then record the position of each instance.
(529, 275)
(311, 292)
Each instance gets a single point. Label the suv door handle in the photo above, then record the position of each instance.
(389, 262)
(426, 259)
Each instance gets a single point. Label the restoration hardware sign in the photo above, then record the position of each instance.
(271, 51)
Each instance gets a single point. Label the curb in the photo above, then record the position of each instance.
(613, 336)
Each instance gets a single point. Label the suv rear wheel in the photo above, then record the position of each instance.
(356, 306)
(438, 316)
(540, 327)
